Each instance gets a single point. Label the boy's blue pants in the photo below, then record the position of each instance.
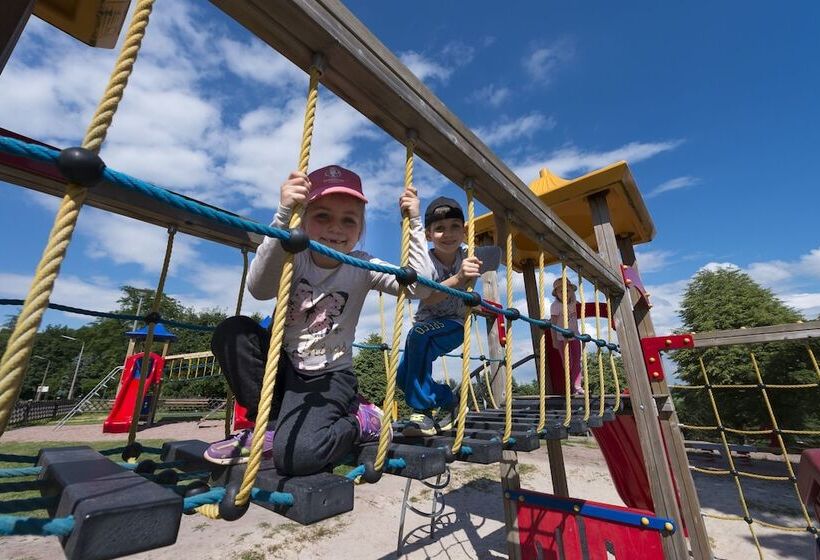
(426, 342)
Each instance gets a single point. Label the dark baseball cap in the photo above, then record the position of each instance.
(441, 209)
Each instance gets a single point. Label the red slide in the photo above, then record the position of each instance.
(119, 419)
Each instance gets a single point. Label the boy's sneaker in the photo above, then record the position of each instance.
(369, 417)
(236, 449)
(419, 425)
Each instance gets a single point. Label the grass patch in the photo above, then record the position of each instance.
(24, 487)
(587, 442)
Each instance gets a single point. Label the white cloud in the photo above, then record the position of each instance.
(491, 94)
(516, 129)
(542, 62)
(96, 293)
(571, 160)
(424, 68)
(258, 62)
(673, 185)
(652, 260)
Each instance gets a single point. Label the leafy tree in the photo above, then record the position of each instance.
(727, 298)
(369, 367)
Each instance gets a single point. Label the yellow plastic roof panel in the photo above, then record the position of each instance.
(568, 199)
(94, 22)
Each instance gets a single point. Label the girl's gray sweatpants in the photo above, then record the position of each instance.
(313, 415)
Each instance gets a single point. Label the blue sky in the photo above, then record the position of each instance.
(713, 106)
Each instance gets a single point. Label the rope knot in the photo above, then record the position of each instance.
(81, 166)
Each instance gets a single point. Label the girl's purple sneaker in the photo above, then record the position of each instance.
(236, 449)
(369, 417)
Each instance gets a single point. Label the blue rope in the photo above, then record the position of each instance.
(13, 525)
(50, 155)
(19, 471)
(275, 498)
(465, 450)
(355, 473)
(215, 495)
(380, 347)
(391, 465)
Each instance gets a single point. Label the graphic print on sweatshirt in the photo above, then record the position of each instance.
(314, 316)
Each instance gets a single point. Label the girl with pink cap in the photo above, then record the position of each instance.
(317, 415)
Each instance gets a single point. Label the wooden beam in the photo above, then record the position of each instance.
(489, 290)
(670, 426)
(14, 15)
(365, 74)
(773, 333)
(510, 481)
(554, 450)
(644, 410)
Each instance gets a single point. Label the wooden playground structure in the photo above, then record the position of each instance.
(589, 225)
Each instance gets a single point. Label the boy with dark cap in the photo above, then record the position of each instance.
(439, 320)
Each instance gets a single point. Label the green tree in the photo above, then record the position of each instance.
(369, 367)
(727, 298)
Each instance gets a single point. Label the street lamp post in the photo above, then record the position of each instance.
(77, 368)
(43, 382)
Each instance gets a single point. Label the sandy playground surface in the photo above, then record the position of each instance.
(471, 527)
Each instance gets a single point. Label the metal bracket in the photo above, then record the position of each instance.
(651, 348)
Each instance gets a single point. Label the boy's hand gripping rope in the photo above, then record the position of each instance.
(278, 329)
(18, 350)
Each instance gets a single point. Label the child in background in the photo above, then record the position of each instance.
(439, 321)
(558, 339)
(317, 415)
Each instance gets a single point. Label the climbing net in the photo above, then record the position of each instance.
(758, 402)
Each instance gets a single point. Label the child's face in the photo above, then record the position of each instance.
(335, 220)
(447, 235)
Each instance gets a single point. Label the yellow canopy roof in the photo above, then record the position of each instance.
(94, 22)
(568, 199)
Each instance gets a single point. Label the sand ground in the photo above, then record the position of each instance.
(472, 524)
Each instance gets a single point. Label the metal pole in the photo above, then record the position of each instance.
(43, 382)
(76, 371)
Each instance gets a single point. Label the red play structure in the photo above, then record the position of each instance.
(119, 419)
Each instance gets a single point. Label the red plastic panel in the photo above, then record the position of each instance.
(557, 535)
(240, 420)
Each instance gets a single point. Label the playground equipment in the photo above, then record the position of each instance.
(127, 405)
(334, 47)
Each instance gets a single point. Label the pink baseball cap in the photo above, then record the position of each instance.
(335, 179)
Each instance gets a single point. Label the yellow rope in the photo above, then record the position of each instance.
(813, 360)
(18, 349)
(149, 337)
(280, 311)
(567, 380)
(508, 346)
(382, 332)
(599, 356)
(780, 442)
(611, 355)
(211, 511)
(472, 394)
(398, 321)
(485, 371)
(585, 365)
(444, 366)
(542, 348)
(468, 318)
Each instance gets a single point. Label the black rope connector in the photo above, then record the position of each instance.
(449, 456)
(371, 475)
(146, 467)
(297, 242)
(227, 507)
(792, 479)
(384, 347)
(407, 276)
(81, 166)
(483, 358)
(512, 314)
(168, 476)
(761, 385)
(473, 299)
(153, 317)
(778, 431)
(811, 529)
(131, 451)
(733, 472)
(585, 338)
(747, 519)
(721, 429)
(195, 489)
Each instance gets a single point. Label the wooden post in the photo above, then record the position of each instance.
(14, 15)
(644, 409)
(511, 481)
(690, 505)
(489, 290)
(554, 449)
